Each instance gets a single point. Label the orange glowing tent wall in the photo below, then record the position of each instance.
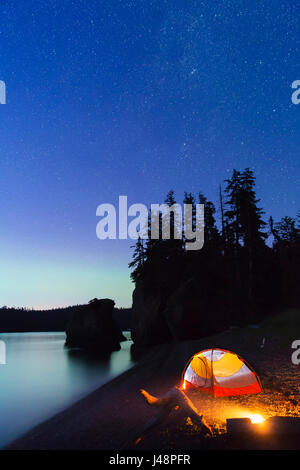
(220, 373)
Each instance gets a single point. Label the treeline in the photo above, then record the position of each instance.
(239, 275)
(23, 319)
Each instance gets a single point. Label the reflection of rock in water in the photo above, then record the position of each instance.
(93, 328)
(91, 357)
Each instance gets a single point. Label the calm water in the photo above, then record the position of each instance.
(41, 378)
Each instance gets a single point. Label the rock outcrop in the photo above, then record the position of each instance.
(92, 327)
(190, 311)
(148, 325)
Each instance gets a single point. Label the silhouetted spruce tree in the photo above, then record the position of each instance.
(138, 260)
(223, 226)
(285, 231)
(170, 198)
(161, 265)
(170, 201)
(244, 232)
(253, 227)
(251, 215)
(286, 248)
(298, 222)
(189, 199)
(211, 232)
(233, 236)
(172, 245)
(153, 250)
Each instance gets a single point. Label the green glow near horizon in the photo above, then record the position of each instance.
(45, 283)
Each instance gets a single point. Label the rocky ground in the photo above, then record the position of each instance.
(114, 416)
(280, 397)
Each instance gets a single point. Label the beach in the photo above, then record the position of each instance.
(113, 417)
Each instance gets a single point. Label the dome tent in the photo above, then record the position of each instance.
(220, 373)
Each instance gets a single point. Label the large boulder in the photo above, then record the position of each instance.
(92, 327)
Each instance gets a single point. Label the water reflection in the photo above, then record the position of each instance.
(41, 377)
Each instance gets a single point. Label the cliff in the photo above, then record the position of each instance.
(190, 311)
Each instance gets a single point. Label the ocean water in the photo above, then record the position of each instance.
(41, 377)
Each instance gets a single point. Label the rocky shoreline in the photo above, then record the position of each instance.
(113, 416)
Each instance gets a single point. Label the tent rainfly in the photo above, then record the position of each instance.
(220, 373)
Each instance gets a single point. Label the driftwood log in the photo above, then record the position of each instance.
(173, 399)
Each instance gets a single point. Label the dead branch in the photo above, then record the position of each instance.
(174, 398)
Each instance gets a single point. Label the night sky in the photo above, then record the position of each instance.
(109, 98)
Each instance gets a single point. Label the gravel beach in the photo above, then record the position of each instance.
(113, 416)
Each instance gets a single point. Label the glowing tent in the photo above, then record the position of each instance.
(220, 373)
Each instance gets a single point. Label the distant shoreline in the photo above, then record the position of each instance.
(22, 320)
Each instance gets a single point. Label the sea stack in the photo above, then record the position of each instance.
(92, 327)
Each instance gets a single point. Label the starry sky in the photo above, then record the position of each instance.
(109, 98)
